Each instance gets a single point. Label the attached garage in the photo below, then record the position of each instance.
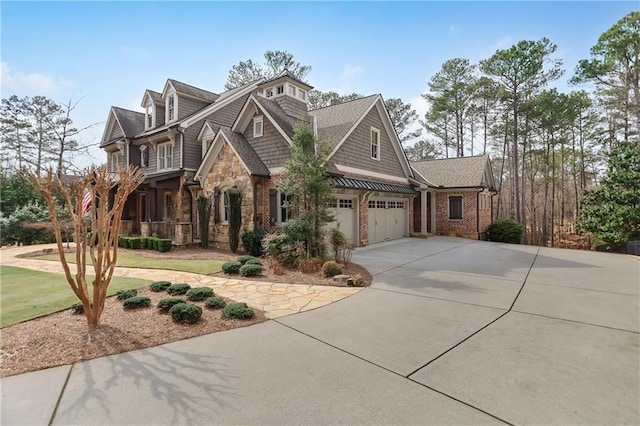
(387, 219)
(345, 212)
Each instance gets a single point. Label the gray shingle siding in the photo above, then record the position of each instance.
(356, 150)
(153, 159)
(192, 146)
(116, 133)
(271, 147)
(134, 154)
(293, 108)
(227, 115)
(188, 106)
(159, 115)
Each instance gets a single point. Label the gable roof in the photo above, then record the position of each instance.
(275, 111)
(156, 97)
(131, 123)
(286, 73)
(192, 91)
(460, 172)
(335, 121)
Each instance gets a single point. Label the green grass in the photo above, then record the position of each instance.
(26, 294)
(129, 259)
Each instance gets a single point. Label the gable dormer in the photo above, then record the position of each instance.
(153, 109)
(170, 98)
(290, 93)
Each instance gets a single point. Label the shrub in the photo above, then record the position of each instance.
(121, 241)
(505, 231)
(234, 196)
(136, 302)
(199, 293)
(186, 312)
(178, 289)
(252, 242)
(253, 262)
(237, 311)
(287, 252)
(159, 286)
(244, 259)
(215, 302)
(231, 268)
(163, 245)
(135, 242)
(77, 308)
(308, 266)
(126, 294)
(338, 241)
(168, 303)
(331, 269)
(250, 270)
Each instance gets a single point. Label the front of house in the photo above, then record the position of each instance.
(190, 141)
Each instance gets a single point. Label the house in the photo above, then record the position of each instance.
(191, 141)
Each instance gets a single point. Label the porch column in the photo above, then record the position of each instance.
(433, 212)
(423, 212)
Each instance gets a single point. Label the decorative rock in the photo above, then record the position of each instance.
(355, 281)
(341, 279)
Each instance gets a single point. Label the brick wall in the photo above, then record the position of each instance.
(465, 227)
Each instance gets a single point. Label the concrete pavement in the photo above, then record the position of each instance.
(452, 331)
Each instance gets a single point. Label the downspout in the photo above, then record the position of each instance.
(181, 148)
(315, 135)
(478, 212)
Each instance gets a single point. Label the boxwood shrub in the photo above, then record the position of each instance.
(250, 270)
(77, 308)
(231, 268)
(186, 312)
(252, 242)
(126, 294)
(166, 304)
(159, 286)
(215, 302)
(178, 289)
(253, 261)
(505, 231)
(136, 302)
(244, 259)
(237, 311)
(331, 269)
(199, 293)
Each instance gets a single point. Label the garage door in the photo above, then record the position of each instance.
(344, 210)
(387, 219)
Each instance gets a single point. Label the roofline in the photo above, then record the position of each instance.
(342, 103)
(353, 127)
(254, 99)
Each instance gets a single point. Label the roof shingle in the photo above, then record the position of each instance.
(245, 151)
(458, 172)
(194, 91)
(335, 121)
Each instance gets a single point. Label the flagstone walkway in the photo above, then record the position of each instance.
(275, 299)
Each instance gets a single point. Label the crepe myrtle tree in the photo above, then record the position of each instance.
(96, 225)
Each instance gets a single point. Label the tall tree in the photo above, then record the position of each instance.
(615, 68)
(276, 61)
(422, 150)
(403, 118)
(14, 126)
(318, 99)
(522, 70)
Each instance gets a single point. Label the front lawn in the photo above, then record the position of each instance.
(26, 294)
(129, 259)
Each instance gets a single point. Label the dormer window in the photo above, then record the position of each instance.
(280, 90)
(257, 126)
(292, 90)
(302, 94)
(269, 92)
(150, 117)
(172, 107)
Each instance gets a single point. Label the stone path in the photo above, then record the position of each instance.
(275, 299)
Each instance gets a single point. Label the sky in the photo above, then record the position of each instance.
(109, 53)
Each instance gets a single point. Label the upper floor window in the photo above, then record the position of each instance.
(165, 156)
(279, 90)
(172, 106)
(150, 117)
(375, 144)
(302, 94)
(144, 156)
(269, 92)
(257, 126)
(292, 90)
(455, 207)
(206, 143)
(286, 211)
(116, 160)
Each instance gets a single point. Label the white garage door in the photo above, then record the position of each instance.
(387, 219)
(344, 211)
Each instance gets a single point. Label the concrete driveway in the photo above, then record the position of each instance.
(452, 331)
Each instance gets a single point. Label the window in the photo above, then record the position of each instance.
(150, 119)
(224, 206)
(302, 94)
(165, 156)
(171, 108)
(371, 204)
(257, 126)
(206, 143)
(168, 206)
(391, 204)
(455, 207)
(116, 159)
(375, 144)
(345, 203)
(285, 208)
(144, 160)
(280, 90)
(381, 204)
(400, 205)
(292, 90)
(269, 92)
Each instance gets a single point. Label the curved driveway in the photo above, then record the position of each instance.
(452, 331)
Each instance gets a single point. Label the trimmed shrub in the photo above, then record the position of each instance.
(286, 251)
(505, 231)
(215, 302)
(199, 293)
(250, 270)
(234, 195)
(231, 268)
(252, 242)
(159, 286)
(136, 302)
(166, 304)
(331, 269)
(253, 262)
(121, 241)
(126, 294)
(135, 242)
(178, 289)
(77, 308)
(163, 245)
(244, 259)
(308, 266)
(237, 311)
(186, 312)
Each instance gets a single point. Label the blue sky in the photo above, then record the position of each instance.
(108, 53)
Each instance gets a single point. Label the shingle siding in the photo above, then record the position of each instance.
(271, 147)
(293, 107)
(356, 150)
(159, 115)
(188, 106)
(192, 146)
(227, 115)
(134, 154)
(116, 133)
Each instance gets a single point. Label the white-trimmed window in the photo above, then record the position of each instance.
(269, 92)
(144, 156)
(286, 211)
(116, 160)
(302, 94)
(292, 90)
(224, 206)
(258, 126)
(455, 207)
(375, 144)
(150, 116)
(206, 143)
(172, 107)
(168, 206)
(280, 89)
(165, 156)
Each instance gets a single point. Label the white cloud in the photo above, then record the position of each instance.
(504, 43)
(348, 73)
(30, 82)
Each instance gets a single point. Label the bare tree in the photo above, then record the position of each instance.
(96, 226)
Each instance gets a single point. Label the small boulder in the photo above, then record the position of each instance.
(341, 279)
(355, 281)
